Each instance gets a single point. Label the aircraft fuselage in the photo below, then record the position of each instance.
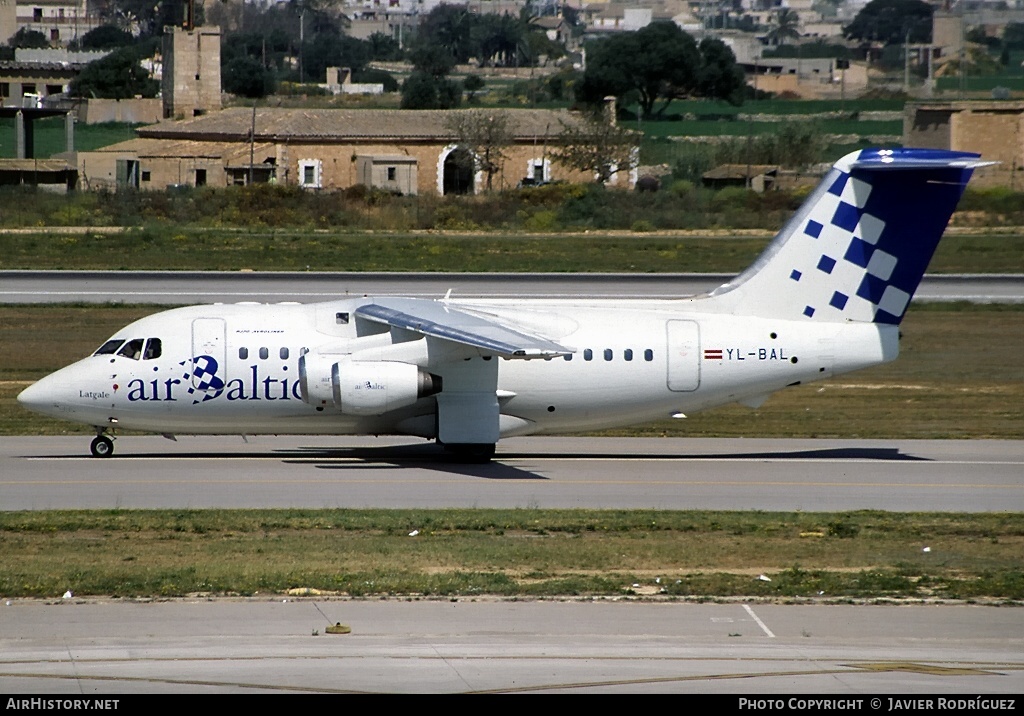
(234, 369)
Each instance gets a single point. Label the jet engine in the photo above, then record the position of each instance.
(363, 387)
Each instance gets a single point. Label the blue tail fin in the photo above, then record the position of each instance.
(859, 246)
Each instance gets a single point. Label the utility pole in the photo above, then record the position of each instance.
(252, 143)
(302, 42)
(906, 63)
(963, 56)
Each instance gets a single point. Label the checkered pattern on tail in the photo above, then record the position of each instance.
(858, 248)
(848, 255)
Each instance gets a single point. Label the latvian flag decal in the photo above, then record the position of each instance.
(712, 354)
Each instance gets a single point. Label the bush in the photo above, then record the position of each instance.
(681, 187)
(544, 220)
(731, 198)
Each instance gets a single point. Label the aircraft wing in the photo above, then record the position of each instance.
(440, 320)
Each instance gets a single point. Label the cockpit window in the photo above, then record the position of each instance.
(110, 347)
(132, 349)
(154, 348)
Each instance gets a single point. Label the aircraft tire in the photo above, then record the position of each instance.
(470, 452)
(102, 446)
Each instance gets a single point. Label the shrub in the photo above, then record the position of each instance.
(681, 188)
(544, 220)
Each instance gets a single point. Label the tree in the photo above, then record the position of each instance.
(657, 63)
(116, 76)
(596, 146)
(424, 91)
(719, 75)
(428, 87)
(473, 84)
(486, 135)
(384, 47)
(786, 26)
(334, 50)
(890, 21)
(106, 37)
(28, 39)
(145, 18)
(449, 27)
(245, 76)
(432, 60)
(1013, 35)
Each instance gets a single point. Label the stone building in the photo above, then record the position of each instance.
(993, 129)
(407, 151)
(60, 21)
(190, 84)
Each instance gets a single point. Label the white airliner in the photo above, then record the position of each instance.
(826, 297)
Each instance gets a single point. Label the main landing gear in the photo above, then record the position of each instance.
(102, 446)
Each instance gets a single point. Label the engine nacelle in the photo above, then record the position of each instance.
(375, 387)
(362, 387)
(315, 385)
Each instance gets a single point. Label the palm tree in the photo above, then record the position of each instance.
(786, 27)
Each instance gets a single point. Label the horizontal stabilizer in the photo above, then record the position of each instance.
(440, 320)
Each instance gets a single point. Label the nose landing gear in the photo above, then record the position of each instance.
(102, 446)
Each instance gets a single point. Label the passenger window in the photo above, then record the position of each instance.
(264, 353)
(132, 349)
(628, 354)
(648, 355)
(284, 354)
(154, 347)
(341, 318)
(568, 356)
(243, 353)
(110, 347)
(588, 354)
(607, 353)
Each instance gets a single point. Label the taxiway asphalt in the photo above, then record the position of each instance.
(187, 287)
(262, 645)
(547, 472)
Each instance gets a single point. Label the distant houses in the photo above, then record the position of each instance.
(402, 151)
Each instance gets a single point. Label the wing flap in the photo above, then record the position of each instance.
(440, 320)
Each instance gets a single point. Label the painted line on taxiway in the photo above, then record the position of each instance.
(760, 623)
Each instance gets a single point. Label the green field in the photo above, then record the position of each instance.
(296, 250)
(514, 553)
(50, 138)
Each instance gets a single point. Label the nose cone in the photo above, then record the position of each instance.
(40, 397)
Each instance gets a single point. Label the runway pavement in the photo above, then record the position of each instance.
(548, 472)
(178, 287)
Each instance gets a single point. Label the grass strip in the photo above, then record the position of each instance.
(513, 553)
(163, 248)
